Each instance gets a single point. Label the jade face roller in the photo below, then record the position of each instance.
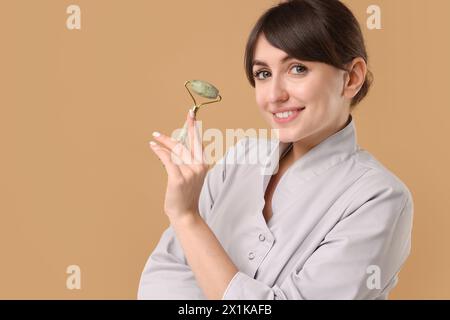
(203, 89)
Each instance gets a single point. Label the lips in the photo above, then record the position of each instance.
(287, 115)
(288, 109)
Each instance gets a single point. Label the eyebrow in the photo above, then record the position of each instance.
(264, 64)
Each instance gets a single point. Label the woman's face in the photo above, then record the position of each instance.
(309, 95)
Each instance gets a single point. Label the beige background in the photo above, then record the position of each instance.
(78, 184)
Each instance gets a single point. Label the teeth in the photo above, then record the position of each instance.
(284, 115)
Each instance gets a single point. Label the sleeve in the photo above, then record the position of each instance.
(358, 259)
(166, 274)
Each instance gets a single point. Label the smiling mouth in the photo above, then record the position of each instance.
(287, 116)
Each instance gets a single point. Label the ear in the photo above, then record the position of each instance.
(354, 78)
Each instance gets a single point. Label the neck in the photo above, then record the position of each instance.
(301, 147)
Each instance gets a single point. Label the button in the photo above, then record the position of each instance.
(261, 237)
(251, 255)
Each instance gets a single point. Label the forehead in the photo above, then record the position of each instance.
(267, 55)
(265, 51)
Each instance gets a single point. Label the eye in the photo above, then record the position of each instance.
(299, 69)
(264, 73)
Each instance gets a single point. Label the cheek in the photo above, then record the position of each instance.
(316, 92)
(308, 91)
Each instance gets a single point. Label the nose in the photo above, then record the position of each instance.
(277, 90)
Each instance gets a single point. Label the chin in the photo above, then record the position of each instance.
(287, 140)
(283, 135)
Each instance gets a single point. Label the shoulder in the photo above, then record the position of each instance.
(378, 183)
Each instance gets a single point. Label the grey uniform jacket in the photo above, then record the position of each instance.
(341, 226)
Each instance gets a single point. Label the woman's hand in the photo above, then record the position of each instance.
(186, 170)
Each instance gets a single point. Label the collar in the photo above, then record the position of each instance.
(332, 150)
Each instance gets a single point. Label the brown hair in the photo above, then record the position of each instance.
(312, 30)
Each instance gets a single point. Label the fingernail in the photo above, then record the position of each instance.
(191, 114)
(152, 143)
(156, 134)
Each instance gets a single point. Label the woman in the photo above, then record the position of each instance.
(328, 222)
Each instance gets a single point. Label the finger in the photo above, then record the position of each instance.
(178, 149)
(165, 156)
(196, 147)
(181, 170)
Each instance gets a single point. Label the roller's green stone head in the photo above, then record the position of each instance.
(203, 89)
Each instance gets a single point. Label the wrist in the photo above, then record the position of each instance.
(186, 219)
